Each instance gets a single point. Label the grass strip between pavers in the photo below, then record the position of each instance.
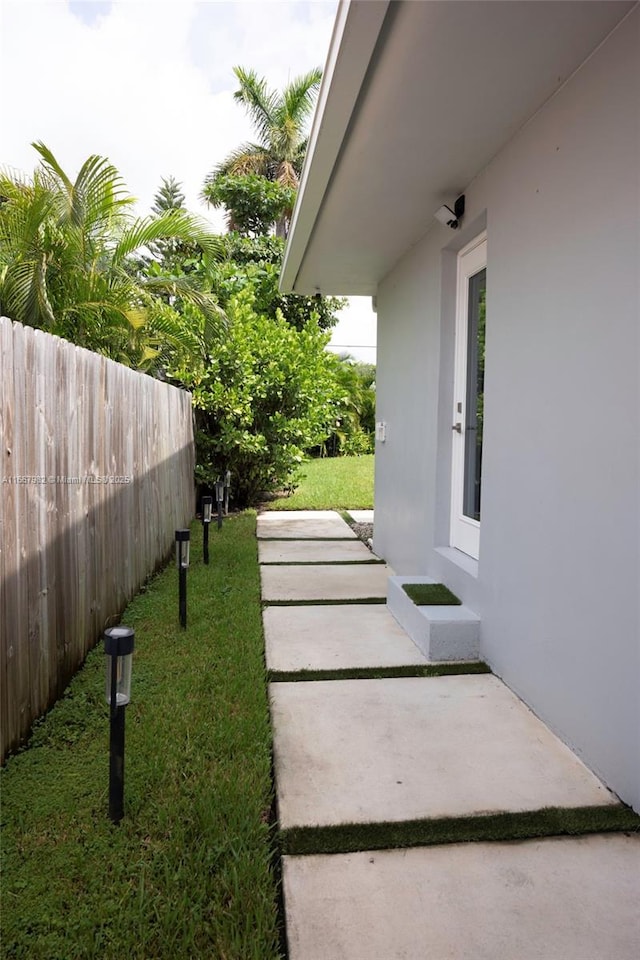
(547, 822)
(381, 673)
(431, 595)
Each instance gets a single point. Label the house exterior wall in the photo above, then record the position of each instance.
(558, 577)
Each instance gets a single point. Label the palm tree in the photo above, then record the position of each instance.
(66, 253)
(280, 121)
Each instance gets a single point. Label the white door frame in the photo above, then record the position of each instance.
(465, 531)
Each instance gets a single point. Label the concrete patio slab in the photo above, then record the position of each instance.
(333, 638)
(555, 899)
(314, 551)
(361, 516)
(367, 751)
(303, 525)
(320, 582)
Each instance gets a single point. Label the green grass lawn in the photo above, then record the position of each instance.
(331, 483)
(191, 871)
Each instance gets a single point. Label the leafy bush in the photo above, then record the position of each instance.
(253, 203)
(353, 426)
(255, 262)
(266, 394)
(357, 444)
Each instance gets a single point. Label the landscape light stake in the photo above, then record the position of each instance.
(219, 488)
(182, 563)
(207, 507)
(118, 646)
(227, 490)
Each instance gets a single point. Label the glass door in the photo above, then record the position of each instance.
(468, 414)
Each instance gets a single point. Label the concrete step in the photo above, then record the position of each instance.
(440, 632)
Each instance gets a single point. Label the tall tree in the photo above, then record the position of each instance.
(169, 254)
(280, 123)
(66, 251)
(253, 203)
(168, 197)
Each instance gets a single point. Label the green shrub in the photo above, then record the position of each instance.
(266, 394)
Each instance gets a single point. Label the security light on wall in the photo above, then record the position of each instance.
(451, 218)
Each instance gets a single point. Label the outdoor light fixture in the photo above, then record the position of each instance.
(219, 490)
(227, 490)
(118, 646)
(451, 218)
(182, 563)
(207, 507)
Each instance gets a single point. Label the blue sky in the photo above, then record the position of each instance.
(149, 83)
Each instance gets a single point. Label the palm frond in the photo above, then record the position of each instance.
(245, 159)
(172, 225)
(23, 216)
(96, 199)
(299, 97)
(19, 292)
(136, 317)
(51, 164)
(100, 193)
(286, 175)
(181, 287)
(258, 100)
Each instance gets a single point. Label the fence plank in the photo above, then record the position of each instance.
(7, 529)
(76, 544)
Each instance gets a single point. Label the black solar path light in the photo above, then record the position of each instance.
(207, 508)
(219, 490)
(118, 646)
(227, 490)
(182, 563)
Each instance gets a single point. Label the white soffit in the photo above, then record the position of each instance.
(416, 100)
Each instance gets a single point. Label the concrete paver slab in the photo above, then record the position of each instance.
(333, 638)
(314, 551)
(402, 749)
(303, 524)
(319, 582)
(554, 899)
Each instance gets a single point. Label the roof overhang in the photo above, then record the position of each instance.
(416, 99)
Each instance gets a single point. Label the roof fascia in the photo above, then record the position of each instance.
(355, 34)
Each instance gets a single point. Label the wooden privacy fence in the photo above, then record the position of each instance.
(96, 474)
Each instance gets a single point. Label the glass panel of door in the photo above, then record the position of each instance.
(475, 395)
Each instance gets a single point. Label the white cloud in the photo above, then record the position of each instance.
(148, 83)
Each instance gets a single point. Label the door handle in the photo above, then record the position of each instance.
(457, 427)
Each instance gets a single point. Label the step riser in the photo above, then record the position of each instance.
(440, 633)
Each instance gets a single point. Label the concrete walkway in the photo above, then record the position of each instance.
(397, 749)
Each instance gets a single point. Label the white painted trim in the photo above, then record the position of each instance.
(465, 532)
(356, 29)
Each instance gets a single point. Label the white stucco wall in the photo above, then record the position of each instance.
(558, 579)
